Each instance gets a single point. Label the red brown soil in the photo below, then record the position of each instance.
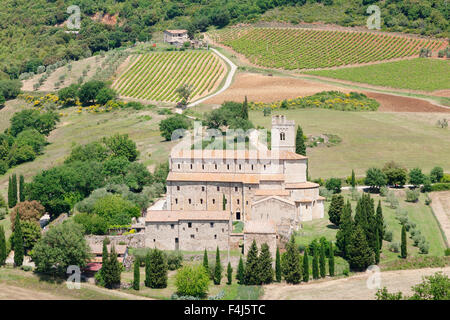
(263, 88)
(391, 103)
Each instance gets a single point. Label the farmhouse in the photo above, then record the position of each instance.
(177, 37)
(207, 190)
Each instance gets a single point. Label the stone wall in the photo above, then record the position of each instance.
(136, 240)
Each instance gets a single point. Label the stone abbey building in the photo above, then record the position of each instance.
(208, 190)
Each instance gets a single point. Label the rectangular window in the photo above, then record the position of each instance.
(203, 188)
(236, 189)
(191, 166)
(189, 224)
(211, 224)
(190, 201)
(192, 236)
(201, 201)
(214, 201)
(240, 167)
(172, 226)
(178, 188)
(228, 167)
(218, 188)
(179, 166)
(237, 201)
(176, 201)
(215, 236)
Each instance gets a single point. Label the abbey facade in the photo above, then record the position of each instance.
(208, 190)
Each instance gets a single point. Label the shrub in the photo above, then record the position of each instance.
(440, 186)
(333, 184)
(424, 247)
(394, 247)
(92, 223)
(192, 281)
(388, 235)
(327, 194)
(384, 191)
(3, 212)
(174, 260)
(392, 200)
(412, 195)
(436, 175)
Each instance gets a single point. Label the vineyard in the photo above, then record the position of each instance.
(310, 49)
(156, 76)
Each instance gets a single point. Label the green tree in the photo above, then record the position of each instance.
(18, 246)
(345, 229)
(120, 145)
(353, 179)
(334, 184)
(300, 147)
(251, 274)
(205, 261)
(245, 109)
(305, 266)
(375, 178)
(377, 249)
(265, 265)
(10, 194)
(89, 91)
(105, 95)
(336, 208)
(31, 232)
(169, 125)
(359, 254)
(112, 273)
(292, 269)
(137, 274)
(240, 272)
(278, 266)
(2, 246)
(217, 269)
(322, 261)
(380, 224)
(157, 270)
(403, 250)
(192, 281)
(395, 174)
(315, 262)
(61, 246)
(436, 174)
(229, 274)
(184, 92)
(416, 177)
(12, 203)
(331, 260)
(21, 188)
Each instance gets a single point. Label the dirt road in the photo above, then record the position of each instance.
(352, 288)
(440, 203)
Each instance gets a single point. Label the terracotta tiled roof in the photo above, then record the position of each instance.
(98, 248)
(259, 226)
(99, 259)
(236, 154)
(305, 200)
(176, 31)
(224, 177)
(301, 185)
(321, 198)
(271, 192)
(174, 216)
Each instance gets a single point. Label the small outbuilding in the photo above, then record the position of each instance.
(177, 37)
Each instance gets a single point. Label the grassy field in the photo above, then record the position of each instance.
(370, 139)
(417, 212)
(416, 74)
(85, 127)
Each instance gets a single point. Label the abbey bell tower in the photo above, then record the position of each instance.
(283, 134)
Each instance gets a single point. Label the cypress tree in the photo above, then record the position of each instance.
(291, 265)
(18, 242)
(331, 260)
(2, 246)
(21, 188)
(265, 265)
(137, 275)
(229, 274)
(377, 249)
(205, 261)
(217, 269)
(305, 266)
(300, 147)
(315, 263)
(245, 109)
(322, 263)
(14, 190)
(10, 196)
(157, 270)
(278, 266)
(353, 180)
(224, 202)
(404, 250)
(359, 254)
(148, 280)
(251, 266)
(335, 210)
(345, 229)
(380, 224)
(240, 271)
(114, 270)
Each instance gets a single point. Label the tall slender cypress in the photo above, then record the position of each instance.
(245, 109)
(205, 261)
(305, 266)
(380, 224)
(300, 147)
(10, 194)
(14, 189)
(240, 271)
(315, 266)
(148, 280)
(229, 274)
(21, 188)
(377, 249)
(278, 266)
(322, 261)
(265, 270)
(353, 180)
(2, 246)
(217, 269)
(137, 274)
(404, 250)
(331, 260)
(251, 274)
(18, 242)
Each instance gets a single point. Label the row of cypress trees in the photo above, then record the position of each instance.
(156, 270)
(360, 239)
(110, 273)
(14, 195)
